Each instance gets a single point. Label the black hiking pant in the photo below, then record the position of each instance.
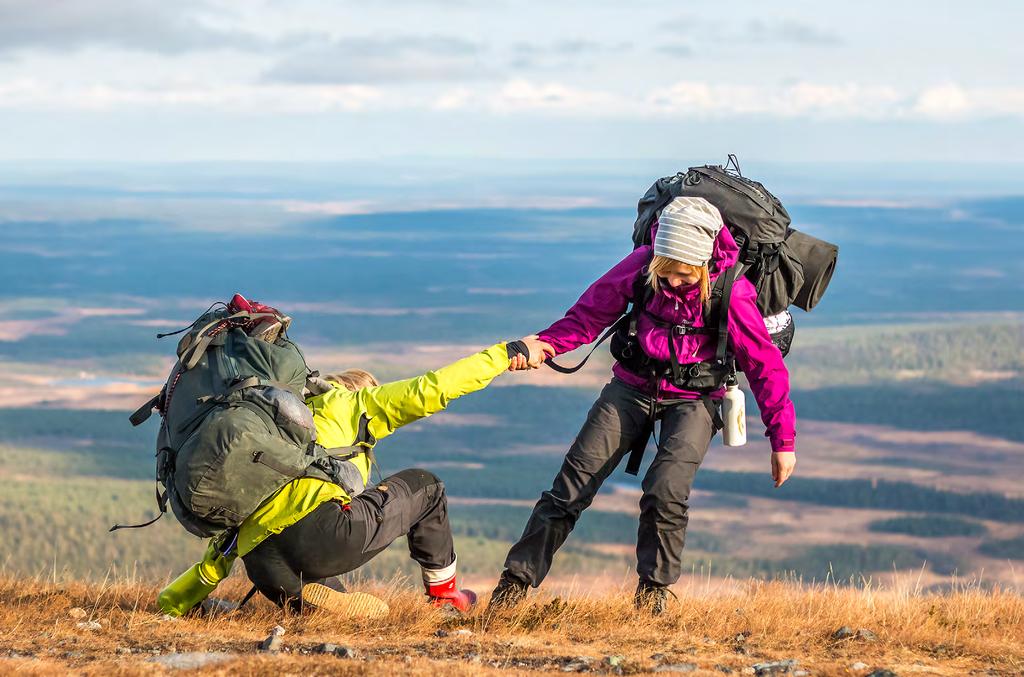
(616, 420)
(334, 540)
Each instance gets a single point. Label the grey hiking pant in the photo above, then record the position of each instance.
(616, 420)
(336, 539)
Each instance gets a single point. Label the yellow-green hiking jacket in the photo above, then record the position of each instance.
(338, 415)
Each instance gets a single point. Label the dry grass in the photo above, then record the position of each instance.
(733, 627)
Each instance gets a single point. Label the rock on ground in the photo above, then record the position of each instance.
(273, 642)
(191, 660)
(676, 667)
(775, 667)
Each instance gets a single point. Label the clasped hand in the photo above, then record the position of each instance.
(539, 351)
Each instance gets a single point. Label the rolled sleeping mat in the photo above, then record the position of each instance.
(819, 263)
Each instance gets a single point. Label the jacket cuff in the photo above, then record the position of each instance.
(551, 341)
(783, 444)
(514, 348)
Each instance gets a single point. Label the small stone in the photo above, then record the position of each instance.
(783, 667)
(212, 606)
(167, 617)
(882, 672)
(89, 625)
(463, 632)
(441, 633)
(272, 643)
(77, 613)
(859, 667)
(325, 648)
(658, 657)
(867, 635)
(614, 661)
(124, 651)
(578, 664)
(845, 632)
(740, 638)
(801, 673)
(725, 669)
(748, 671)
(676, 667)
(191, 660)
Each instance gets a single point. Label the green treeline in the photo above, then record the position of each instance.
(933, 526)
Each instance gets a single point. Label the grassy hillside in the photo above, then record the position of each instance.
(71, 473)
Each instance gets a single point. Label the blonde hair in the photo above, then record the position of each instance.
(661, 266)
(353, 379)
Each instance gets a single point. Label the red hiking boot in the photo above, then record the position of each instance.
(441, 588)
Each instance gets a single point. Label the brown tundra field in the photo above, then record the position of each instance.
(713, 628)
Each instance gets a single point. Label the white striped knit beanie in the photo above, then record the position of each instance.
(687, 228)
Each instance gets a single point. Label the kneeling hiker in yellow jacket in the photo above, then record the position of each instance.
(311, 530)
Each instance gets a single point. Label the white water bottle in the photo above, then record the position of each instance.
(734, 416)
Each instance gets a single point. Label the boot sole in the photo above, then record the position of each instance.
(348, 604)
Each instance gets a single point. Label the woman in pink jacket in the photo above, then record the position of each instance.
(670, 366)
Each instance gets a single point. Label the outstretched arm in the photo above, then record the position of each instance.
(599, 306)
(340, 414)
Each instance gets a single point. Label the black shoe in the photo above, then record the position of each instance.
(334, 583)
(508, 594)
(651, 597)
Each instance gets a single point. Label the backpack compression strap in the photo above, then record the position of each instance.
(161, 502)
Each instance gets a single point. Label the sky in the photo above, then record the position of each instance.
(319, 81)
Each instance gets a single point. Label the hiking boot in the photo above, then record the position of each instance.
(508, 594)
(651, 597)
(443, 592)
(348, 604)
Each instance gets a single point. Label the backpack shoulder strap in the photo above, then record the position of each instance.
(721, 298)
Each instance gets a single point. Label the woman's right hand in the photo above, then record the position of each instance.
(539, 350)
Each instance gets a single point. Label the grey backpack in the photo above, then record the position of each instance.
(235, 427)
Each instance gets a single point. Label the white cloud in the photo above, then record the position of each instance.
(29, 94)
(459, 98)
(141, 25)
(952, 102)
(525, 96)
(697, 99)
(364, 60)
(798, 100)
(839, 101)
(943, 102)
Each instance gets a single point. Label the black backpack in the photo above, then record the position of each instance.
(786, 267)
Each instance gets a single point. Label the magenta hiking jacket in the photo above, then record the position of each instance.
(606, 300)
